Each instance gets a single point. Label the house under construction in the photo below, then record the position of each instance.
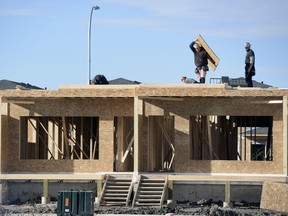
(172, 137)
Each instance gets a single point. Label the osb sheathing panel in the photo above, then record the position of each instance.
(107, 101)
(205, 90)
(219, 106)
(274, 196)
(144, 90)
(4, 139)
(144, 145)
(106, 140)
(211, 106)
(78, 107)
(181, 140)
(94, 91)
(105, 108)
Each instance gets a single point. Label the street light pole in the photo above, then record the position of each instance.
(89, 44)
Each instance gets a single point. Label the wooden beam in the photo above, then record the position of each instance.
(170, 190)
(203, 136)
(162, 98)
(52, 176)
(120, 144)
(22, 101)
(267, 102)
(285, 136)
(169, 142)
(45, 187)
(226, 177)
(227, 192)
(127, 150)
(99, 187)
(66, 139)
(137, 127)
(81, 137)
(49, 135)
(209, 138)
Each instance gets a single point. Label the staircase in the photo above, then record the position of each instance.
(116, 191)
(150, 192)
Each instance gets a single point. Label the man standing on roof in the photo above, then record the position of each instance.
(249, 64)
(200, 60)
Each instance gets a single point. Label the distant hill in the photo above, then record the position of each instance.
(122, 81)
(241, 82)
(235, 82)
(7, 84)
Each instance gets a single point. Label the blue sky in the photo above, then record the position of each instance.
(45, 42)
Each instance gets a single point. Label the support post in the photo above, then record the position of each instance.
(170, 201)
(227, 202)
(4, 192)
(45, 198)
(138, 115)
(99, 191)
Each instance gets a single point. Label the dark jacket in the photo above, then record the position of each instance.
(201, 57)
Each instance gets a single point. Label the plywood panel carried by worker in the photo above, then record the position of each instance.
(215, 60)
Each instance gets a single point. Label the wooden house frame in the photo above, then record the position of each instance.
(186, 132)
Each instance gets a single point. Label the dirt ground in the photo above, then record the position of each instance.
(212, 209)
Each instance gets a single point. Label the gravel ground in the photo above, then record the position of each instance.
(212, 209)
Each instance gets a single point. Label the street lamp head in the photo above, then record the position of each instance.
(96, 7)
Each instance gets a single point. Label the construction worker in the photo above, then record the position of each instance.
(184, 79)
(249, 64)
(200, 60)
(99, 80)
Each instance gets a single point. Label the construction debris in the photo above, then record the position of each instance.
(182, 209)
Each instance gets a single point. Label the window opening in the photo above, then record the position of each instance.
(56, 138)
(231, 138)
(123, 143)
(161, 142)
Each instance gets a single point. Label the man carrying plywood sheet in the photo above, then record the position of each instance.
(203, 56)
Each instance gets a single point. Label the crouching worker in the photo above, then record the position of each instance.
(184, 79)
(99, 80)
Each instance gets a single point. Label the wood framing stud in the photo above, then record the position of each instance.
(285, 137)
